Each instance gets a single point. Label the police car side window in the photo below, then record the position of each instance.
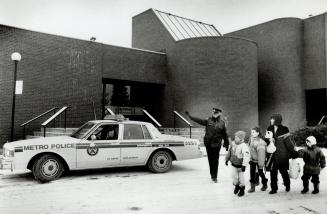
(133, 132)
(146, 132)
(106, 132)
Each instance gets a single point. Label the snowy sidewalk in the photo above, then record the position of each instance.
(187, 188)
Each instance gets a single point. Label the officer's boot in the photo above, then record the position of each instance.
(257, 183)
(237, 188)
(315, 188)
(252, 189)
(264, 185)
(305, 186)
(241, 192)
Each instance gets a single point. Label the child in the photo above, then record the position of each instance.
(271, 148)
(239, 155)
(314, 161)
(258, 156)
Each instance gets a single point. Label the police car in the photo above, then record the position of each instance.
(99, 144)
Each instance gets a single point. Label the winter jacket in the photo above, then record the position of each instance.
(281, 130)
(238, 154)
(284, 147)
(258, 151)
(215, 130)
(313, 158)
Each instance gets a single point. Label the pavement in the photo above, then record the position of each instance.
(186, 188)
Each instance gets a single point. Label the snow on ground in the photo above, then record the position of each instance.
(187, 188)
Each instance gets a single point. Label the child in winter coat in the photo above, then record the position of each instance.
(314, 161)
(271, 148)
(257, 161)
(239, 155)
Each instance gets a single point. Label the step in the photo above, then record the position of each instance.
(180, 129)
(60, 130)
(50, 134)
(32, 137)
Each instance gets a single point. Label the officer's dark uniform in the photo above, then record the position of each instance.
(215, 132)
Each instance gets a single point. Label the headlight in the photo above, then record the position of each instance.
(9, 153)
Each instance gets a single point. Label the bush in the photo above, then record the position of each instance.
(319, 132)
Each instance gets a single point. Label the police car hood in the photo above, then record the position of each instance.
(42, 141)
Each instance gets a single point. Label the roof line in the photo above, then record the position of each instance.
(182, 17)
(83, 40)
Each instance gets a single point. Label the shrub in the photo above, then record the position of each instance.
(319, 132)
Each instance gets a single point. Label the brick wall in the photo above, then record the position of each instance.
(216, 71)
(149, 33)
(280, 69)
(60, 71)
(315, 59)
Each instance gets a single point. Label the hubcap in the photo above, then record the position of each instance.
(161, 162)
(50, 168)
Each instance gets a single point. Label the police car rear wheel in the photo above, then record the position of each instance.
(160, 162)
(47, 168)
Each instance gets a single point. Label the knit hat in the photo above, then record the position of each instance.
(241, 135)
(310, 141)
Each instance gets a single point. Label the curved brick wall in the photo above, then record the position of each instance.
(280, 68)
(216, 71)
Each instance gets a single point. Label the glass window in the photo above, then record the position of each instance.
(105, 132)
(154, 131)
(146, 132)
(133, 132)
(82, 130)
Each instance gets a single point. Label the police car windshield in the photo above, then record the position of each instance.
(82, 130)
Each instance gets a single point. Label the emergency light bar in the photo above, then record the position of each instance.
(117, 117)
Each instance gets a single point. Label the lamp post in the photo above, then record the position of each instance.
(16, 57)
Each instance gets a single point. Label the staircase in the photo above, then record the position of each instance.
(50, 132)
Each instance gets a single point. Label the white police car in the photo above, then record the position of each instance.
(99, 144)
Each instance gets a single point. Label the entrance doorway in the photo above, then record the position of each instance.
(130, 97)
(316, 105)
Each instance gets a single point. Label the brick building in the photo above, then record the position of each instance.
(174, 64)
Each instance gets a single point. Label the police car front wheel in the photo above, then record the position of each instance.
(47, 168)
(160, 162)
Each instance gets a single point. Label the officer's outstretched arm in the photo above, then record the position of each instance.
(202, 122)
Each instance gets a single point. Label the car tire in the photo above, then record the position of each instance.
(47, 168)
(160, 162)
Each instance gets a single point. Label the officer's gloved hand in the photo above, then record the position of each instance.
(226, 163)
(243, 168)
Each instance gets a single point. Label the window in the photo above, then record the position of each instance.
(82, 130)
(106, 132)
(154, 131)
(133, 132)
(146, 132)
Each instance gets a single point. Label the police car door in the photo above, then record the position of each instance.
(135, 145)
(100, 148)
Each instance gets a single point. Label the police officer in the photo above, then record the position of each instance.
(215, 132)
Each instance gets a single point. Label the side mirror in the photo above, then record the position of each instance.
(93, 137)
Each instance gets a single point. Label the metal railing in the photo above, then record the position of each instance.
(152, 118)
(37, 117)
(53, 117)
(110, 111)
(184, 120)
(322, 119)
